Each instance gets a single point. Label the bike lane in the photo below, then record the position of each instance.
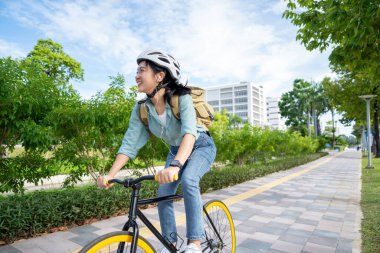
(310, 208)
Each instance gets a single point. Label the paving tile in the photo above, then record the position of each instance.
(11, 249)
(241, 249)
(287, 247)
(326, 241)
(344, 245)
(301, 240)
(275, 251)
(299, 232)
(246, 229)
(83, 229)
(255, 245)
(323, 233)
(272, 230)
(270, 238)
(284, 220)
(302, 227)
(315, 248)
(84, 238)
(240, 237)
(308, 222)
(260, 219)
(274, 224)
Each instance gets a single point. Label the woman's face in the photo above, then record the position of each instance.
(146, 79)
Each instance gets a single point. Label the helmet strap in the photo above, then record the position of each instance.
(158, 87)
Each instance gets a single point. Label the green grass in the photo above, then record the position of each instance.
(371, 207)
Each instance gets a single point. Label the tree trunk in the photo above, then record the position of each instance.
(319, 127)
(314, 113)
(333, 129)
(308, 124)
(376, 128)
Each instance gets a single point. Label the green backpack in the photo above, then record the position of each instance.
(204, 111)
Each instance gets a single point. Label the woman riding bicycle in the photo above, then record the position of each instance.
(192, 150)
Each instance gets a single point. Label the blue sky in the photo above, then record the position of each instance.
(216, 42)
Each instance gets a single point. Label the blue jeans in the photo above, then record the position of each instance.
(198, 163)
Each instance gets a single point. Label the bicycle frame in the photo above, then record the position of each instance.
(135, 212)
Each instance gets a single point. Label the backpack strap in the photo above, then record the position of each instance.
(143, 114)
(174, 105)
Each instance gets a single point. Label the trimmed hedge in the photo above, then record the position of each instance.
(234, 174)
(39, 212)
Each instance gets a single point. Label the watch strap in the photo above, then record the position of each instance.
(176, 163)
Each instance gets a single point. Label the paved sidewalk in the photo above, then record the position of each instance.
(310, 208)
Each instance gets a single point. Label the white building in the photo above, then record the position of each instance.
(273, 114)
(243, 99)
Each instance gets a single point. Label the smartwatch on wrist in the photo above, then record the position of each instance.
(176, 163)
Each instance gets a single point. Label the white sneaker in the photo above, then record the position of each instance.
(192, 248)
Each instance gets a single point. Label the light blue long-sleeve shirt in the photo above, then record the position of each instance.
(172, 133)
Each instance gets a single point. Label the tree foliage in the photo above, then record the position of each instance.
(58, 65)
(349, 28)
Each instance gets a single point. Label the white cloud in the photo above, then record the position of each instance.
(215, 41)
(277, 8)
(10, 49)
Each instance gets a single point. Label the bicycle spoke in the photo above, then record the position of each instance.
(221, 238)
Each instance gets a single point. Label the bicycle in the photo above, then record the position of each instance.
(219, 226)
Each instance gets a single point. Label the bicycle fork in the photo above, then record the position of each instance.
(132, 221)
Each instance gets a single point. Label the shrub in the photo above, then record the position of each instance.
(43, 211)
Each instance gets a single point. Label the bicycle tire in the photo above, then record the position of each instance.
(109, 243)
(221, 237)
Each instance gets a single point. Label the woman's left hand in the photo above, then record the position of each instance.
(167, 175)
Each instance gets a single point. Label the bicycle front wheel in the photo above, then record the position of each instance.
(219, 228)
(110, 242)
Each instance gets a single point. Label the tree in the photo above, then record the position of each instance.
(58, 65)
(30, 89)
(351, 30)
(90, 131)
(344, 95)
(234, 120)
(304, 100)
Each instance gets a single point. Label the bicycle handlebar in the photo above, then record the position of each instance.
(130, 181)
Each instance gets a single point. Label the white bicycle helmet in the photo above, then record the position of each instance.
(162, 59)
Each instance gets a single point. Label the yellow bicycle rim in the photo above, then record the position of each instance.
(114, 240)
(217, 203)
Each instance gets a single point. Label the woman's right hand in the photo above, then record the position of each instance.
(103, 182)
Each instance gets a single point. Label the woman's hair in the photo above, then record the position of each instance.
(171, 86)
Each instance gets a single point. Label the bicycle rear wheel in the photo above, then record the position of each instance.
(219, 228)
(109, 243)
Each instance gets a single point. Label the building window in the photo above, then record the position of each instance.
(214, 102)
(226, 101)
(242, 114)
(241, 88)
(226, 95)
(240, 100)
(226, 90)
(241, 107)
(241, 93)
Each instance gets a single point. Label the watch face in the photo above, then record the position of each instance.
(176, 163)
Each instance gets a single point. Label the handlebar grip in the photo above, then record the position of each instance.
(112, 180)
(175, 177)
